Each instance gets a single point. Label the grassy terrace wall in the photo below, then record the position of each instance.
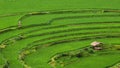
(52, 37)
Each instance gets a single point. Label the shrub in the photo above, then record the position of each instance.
(2, 46)
(117, 47)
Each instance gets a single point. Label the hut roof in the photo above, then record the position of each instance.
(95, 43)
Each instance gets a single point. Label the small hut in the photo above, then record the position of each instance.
(97, 45)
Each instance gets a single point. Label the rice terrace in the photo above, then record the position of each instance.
(59, 34)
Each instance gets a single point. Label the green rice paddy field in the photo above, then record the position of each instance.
(59, 33)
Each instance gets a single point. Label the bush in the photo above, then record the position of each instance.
(2, 46)
(117, 47)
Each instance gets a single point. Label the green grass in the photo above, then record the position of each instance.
(2, 61)
(56, 27)
(50, 51)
